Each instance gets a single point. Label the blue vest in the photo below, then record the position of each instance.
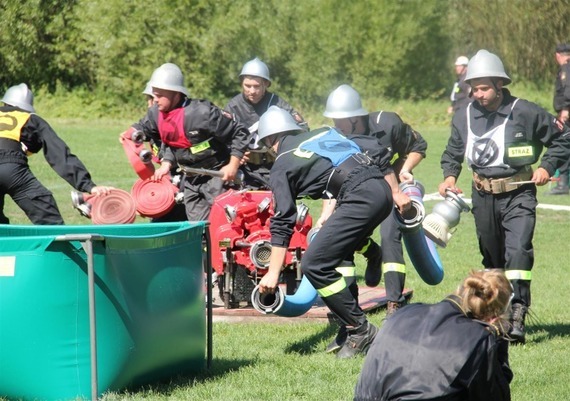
(329, 144)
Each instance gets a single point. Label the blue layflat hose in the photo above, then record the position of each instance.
(421, 250)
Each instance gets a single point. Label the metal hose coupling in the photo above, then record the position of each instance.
(411, 220)
(421, 250)
(284, 305)
(444, 217)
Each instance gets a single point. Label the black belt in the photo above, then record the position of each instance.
(341, 172)
(10, 144)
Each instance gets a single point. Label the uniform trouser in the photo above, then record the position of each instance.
(505, 228)
(563, 170)
(178, 213)
(359, 210)
(393, 264)
(18, 181)
(3, 218)
(199, 194)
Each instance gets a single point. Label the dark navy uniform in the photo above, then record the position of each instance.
(196, 134)
(23, 134)
(460, 98)
(260, 161)
(500, 148)
(400, 139)
(562, 89)
(435, 352)
(364, 199)
(562, 102)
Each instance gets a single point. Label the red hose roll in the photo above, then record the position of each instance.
(117, 207)
(154, 198)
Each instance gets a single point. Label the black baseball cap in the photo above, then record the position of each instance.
(563, 48)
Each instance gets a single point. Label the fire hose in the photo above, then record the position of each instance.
(421, 250)
(154, 198)
(139, 157)
(116, 207)
(287, 305)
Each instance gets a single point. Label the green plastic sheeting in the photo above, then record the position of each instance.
(149, 302)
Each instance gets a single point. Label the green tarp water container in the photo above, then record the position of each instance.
(149, 307)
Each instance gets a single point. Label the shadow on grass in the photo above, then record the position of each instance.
(308, 345)
(543, 332)
(166, 387)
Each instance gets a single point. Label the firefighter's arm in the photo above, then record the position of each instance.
(327, 210)
(230, 169)
(269, 282)
(448, 183)
(405, 173)
(401, 200)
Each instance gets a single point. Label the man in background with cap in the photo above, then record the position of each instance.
(246, 108)
(193, 133)
(460, 93)
(562, 107)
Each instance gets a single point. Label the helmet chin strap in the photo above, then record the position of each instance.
(355, 128)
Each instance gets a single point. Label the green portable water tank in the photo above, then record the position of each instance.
(149, 307)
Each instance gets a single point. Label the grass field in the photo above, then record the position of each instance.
(268, 361)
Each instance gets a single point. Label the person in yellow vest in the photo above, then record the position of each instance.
(22, 134)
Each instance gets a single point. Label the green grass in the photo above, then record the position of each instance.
(267, 361)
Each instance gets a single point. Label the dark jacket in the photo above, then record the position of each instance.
(36, 135)
(397, 136)
(203, 123)
(529, 125)
(248, 114)
(460, 98)
(294, 177)
(562, 88)
(435, 352)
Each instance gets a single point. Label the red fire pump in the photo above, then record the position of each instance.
(241, 247)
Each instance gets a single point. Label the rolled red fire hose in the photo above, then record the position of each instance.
(154, 198)
(117, 207)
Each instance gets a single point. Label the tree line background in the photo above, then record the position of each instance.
(102, 52)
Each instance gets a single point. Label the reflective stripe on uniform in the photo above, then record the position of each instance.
(332, 289)
(365, 247)
(347, 271)
(519, 275)
(394, 267)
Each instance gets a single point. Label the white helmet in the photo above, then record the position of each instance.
(168, 77)
(255, 68)
(20, 96)
(148, 90)
(462, 60)
(486, 65)
(344, 102)
(276, 121)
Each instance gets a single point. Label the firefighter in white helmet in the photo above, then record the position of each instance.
(460, 94)
(326, 164)
(501, 137)
(193, 133)
(22, 134)
(247, 107)
(407, 148)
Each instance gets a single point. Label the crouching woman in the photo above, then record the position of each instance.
(453, 350)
